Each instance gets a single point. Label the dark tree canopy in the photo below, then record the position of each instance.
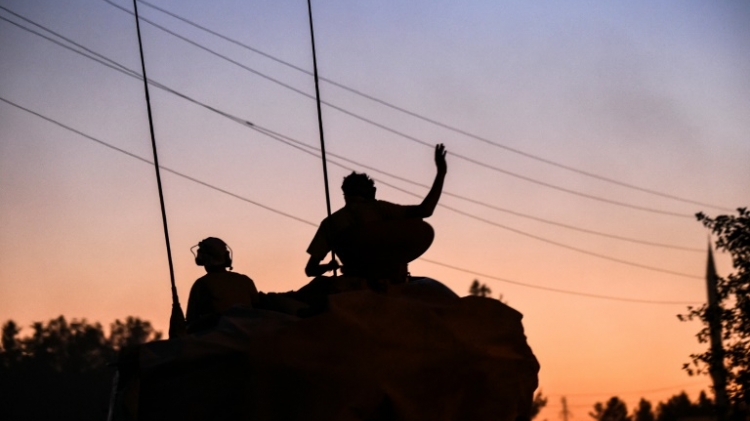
(732, 236)
(539, 402)
(479, 289)
(644, 411)
(133, 331)
(679, 407)
(61, 369)
(613, 410)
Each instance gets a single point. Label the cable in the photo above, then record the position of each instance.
(169, 170)
(637, 392)
(251, 125)
(109, 63)
(406, 136)
(478, 202)
(495, 224)
(562, 291)
(298, 219)
(247, 123)
(433, 121)
(569, 247)
(632, 392)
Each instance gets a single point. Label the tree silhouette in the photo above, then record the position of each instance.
(733, 236)
(478, 289)
(133, 332)
(679, 407)
(539, 402)
(67, 347)
(644, 411)
(614, 410)
(61, 370)
(11, 348)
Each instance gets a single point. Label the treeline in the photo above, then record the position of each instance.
(677, 408)
(63, 370)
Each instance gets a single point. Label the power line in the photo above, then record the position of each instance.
(562, 291)
(107, 62)
(306, 222)
(573, 248)
(632, 392)
(517, 231)
(276, 137)
(487, 205)
(636, 392)
(430, 120)
(177, 173)
(406, 136)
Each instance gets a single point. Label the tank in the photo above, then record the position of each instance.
(338, 350)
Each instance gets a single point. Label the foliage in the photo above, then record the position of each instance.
(539, 402)
(478, 289)
(644, 412)
(679, 407)
(62, 369)
(133, 332)
(11, 349)
(613, 410)
(733, 236)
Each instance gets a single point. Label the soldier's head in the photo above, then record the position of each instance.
(358, 185)
(213, 253)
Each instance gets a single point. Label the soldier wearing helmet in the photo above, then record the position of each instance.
(220, 289)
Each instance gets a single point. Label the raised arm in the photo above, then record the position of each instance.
(427, 207)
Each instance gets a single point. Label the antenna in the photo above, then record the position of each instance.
(177, 319)
(320, 118)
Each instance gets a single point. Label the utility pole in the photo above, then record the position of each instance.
(565, 413)
(713, 314)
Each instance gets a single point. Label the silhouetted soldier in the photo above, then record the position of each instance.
(375, 239)
(219, 290)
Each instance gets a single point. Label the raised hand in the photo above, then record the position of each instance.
(440, 163)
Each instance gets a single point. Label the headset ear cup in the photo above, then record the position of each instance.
(213, 252)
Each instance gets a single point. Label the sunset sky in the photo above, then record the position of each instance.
(582, 138)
